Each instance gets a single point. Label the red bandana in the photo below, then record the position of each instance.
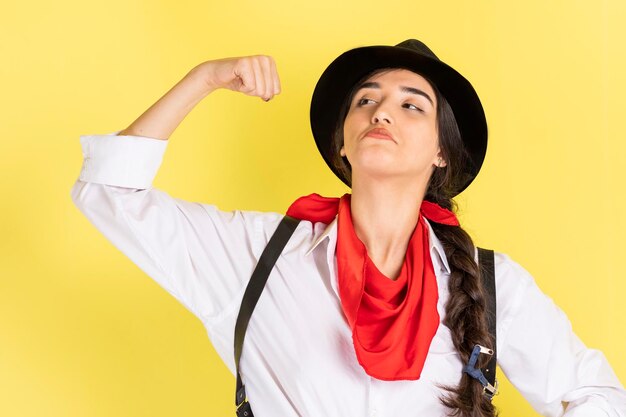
(392, 322)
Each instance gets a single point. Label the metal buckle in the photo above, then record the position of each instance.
(244, 410)
(485, 350)
(243, 406)
(490, 391)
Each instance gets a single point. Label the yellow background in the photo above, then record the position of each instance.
(83, 332)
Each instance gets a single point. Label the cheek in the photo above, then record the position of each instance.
(349, 120)
(349, 130)
(420, 144)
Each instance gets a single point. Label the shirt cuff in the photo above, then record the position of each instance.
(123, 161)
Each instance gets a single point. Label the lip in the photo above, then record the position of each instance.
(380, 133)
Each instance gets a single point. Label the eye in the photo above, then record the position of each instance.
(414, 106)
(360, 101)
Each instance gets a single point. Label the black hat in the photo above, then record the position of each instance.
(341, 75)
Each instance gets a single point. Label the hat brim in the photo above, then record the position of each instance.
(341, 75)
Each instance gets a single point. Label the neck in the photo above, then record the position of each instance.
(384, 216)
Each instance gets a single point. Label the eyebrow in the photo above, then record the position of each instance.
(403, 88)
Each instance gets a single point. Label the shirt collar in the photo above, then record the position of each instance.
(330, 228)
(439, 261)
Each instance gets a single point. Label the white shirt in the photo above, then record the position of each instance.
(298, 358)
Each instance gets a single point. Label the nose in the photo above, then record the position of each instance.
(381, 114)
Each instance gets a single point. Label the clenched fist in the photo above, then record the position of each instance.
(252, 75)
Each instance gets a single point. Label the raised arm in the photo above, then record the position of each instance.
(201, 255)
(252, 75)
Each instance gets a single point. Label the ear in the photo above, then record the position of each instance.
(440, 162)
(342, 151)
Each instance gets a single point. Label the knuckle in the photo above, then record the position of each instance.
(243, 65)
(248, 86)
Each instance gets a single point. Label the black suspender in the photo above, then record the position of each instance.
(261, 273)
(268, 258)
(487, 271)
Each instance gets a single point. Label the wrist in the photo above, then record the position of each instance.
(201, 76)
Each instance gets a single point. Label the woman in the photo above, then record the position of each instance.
(374, 306)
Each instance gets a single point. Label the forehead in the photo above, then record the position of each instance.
(401, 76)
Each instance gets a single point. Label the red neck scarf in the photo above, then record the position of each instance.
(392, 322)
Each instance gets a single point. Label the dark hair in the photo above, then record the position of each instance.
(465, 313)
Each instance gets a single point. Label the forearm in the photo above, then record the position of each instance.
(164, 116)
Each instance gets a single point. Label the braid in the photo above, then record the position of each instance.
(465, 316)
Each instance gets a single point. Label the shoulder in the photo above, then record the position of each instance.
(518, 297)
(512, 283)
(509, 272)
(511, 277)
(261, 226)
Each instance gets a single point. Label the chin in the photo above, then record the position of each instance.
(376, 159)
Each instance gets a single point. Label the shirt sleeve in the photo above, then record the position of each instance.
(542, 356)
(201, 255)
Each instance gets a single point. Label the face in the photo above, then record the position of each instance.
(402, 104)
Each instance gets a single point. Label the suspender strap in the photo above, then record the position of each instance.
(487, 272)
(268, 258)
